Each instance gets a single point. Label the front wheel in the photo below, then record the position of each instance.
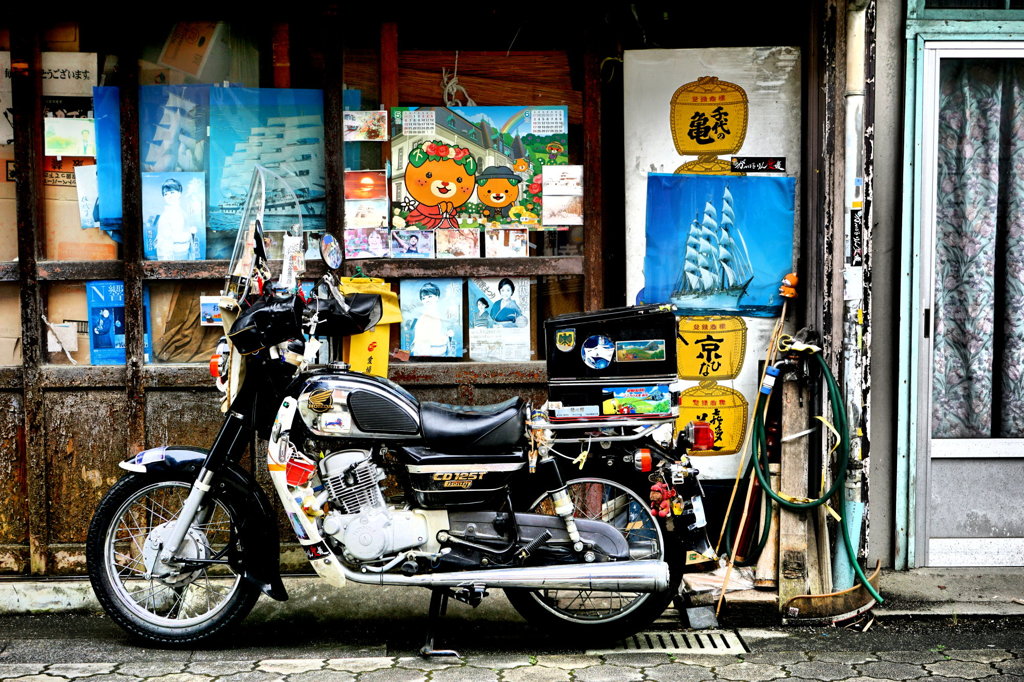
(589, 615)
(187, 600)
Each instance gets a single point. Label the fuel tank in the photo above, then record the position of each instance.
(350, 405)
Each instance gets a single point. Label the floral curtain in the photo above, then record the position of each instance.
(978, 357)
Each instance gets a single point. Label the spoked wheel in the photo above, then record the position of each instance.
(601, 615)
(186, 600)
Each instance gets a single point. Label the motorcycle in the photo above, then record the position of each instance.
(181, 547)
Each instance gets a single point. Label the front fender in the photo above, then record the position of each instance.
(250, 506)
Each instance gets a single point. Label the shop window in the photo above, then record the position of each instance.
(185, 319)
(10, 325)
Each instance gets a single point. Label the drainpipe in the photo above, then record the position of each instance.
(853, 283)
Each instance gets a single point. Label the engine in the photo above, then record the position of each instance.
(359, 517)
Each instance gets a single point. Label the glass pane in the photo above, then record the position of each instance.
(181, 332)
(978, 355)
(10, 324)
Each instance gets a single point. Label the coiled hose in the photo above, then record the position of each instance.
(759, 464)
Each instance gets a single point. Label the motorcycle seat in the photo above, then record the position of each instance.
(470, 429)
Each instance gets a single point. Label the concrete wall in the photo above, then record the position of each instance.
(888, 192)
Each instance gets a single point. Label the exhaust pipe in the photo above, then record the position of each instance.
(609, 576)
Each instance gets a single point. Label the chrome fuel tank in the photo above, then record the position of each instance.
(349, 405)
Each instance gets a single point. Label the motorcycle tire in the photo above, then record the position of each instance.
(602, 616)
(185, 606)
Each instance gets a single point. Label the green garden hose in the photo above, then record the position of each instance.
(759, 464)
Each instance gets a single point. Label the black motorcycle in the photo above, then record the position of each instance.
(181, 547)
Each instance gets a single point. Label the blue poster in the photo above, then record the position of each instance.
(281, 130)
(432, 317)
(107, 112)
(718, 244)
(174, 216)
(173, 124)
(105, 300)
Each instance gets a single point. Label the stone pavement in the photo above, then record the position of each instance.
(935, 665)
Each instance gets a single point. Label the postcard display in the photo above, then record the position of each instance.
(714, 150)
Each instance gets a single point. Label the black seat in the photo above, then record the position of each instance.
(473, 428)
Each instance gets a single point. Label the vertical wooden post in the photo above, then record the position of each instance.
(388, 75)
(593, 244)
(334, 147)
(27, 91)
(280, 48)
(796, 563)
(131, 231)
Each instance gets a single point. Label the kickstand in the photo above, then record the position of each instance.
(438, 607)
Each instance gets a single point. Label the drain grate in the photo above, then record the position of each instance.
(705, 643)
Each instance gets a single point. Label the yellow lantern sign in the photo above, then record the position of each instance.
(708, 119)
(710, 347)
(722, 407)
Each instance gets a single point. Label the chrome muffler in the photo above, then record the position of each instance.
(609, 576)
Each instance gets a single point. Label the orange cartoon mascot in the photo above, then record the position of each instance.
(440, 178)
(498, 188)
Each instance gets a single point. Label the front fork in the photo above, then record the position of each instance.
(230, 443)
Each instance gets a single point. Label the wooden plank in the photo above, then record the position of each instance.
(423, 88)
(334, 148)
(26, 85)
(593, 244)
(387, 75)
(9, 272)
(280, 48)
(794, 555)
(460, 267)
(131, 203)
(80, 270)
(431, 373)
(81, 376)
(210, 269)
(548, 68)
(11, 378)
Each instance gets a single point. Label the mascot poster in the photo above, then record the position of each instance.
(473, 166)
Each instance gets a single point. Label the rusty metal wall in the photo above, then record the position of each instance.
(85, 435)
(13, 489)
(83, 441)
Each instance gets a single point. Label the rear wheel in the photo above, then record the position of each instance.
(184, 601)
(601, 615)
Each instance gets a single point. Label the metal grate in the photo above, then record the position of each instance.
(705, 643)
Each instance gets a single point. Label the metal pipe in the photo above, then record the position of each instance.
(609, 576)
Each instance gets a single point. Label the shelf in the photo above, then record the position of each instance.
(466, 267)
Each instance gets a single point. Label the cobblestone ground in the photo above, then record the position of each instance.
(935, 665)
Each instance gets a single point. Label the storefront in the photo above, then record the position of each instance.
(774, 131)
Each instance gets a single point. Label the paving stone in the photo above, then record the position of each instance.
(980, 655)
(359, 665)
(919, 657)
(20, 669)
(679, 672)
(183, 677)
(74, 670)
(217, 668)
(749, 672)
(568, 662)
(775, 657)
(262, 676)
(290, 666)
(637, 659)
(393, 675)
(821, 670)
(464, 675)
(1014, 667)
(847, 657)
(498, 661)
(157, 668)
(867, 679)
(892, 671)
(113, 677)
(42, 677)
(323, 676)
(608, 673)
(427, 664)
(535, 673)
(962, 669)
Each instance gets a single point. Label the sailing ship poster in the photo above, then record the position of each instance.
(279, 129)
(718, 244)
(173, 120)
